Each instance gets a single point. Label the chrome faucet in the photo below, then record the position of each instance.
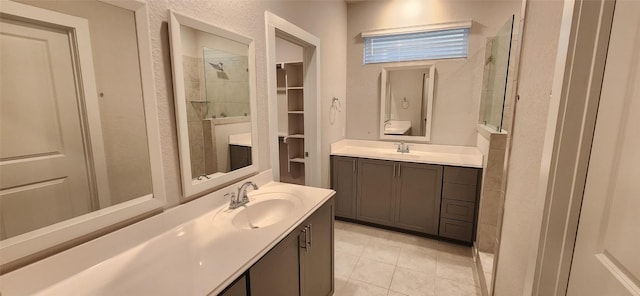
(402, 147)
(241, 198)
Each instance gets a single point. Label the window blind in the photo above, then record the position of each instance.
(428, 45)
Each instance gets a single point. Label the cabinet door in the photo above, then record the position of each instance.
(418, 189)
(238, 288)
(375, 191)
(343, 181)
(240, 156)
(278, 273)
(317, 264)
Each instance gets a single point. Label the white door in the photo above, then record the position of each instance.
(43, 171)
(607, 253)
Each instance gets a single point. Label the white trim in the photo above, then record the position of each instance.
(418, 29)
(571, 119)
(191, 187)
(383, 105)
(277, 26)
(41, 239)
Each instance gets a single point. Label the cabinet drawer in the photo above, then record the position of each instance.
(455, 229)
(458, 175)
(459, 192)
(459, 210)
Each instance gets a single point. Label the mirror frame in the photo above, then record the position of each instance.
(191, 187)
(430, 94)
(40, 240)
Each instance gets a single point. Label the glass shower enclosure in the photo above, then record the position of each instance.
(496, 69)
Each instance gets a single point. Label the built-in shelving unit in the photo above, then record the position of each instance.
(290, 84)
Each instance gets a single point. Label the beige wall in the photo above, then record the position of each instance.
(458, 81)
(540, 42)
(324, 19)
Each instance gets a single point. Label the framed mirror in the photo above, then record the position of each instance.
(214, 87)
(406, 102)
(79, 131)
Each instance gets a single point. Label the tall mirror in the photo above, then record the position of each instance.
(78, 126)
(406, 100)
(214, 80)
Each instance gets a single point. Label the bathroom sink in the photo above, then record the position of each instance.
(264, 210)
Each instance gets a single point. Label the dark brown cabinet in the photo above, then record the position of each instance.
(239, 156)
(375, 191)
(459, 203)
(343, 181)
(316, 259)
(418, 189)
(399, 194)
(426, 198)
(302, 263)
(238, 288)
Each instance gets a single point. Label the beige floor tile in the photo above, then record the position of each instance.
(338, 284)
(413, 283)
(344, 263)
(373, 272)
(382, 252)
(393, 293)
(419, 260)
(453, 251)
(445, 287)
(413, 242)
(350, 242)
(358, 288)
(458, 270)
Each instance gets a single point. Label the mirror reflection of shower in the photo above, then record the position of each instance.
(220, 67)
(226, 83)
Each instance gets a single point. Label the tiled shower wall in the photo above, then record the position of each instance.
(200, 134)
(492, 193)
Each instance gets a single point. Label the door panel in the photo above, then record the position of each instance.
(418, 197)
(317, 259)
(278, 273)
(605, 259)
(375, 191)
(42, 151)
(343, 181)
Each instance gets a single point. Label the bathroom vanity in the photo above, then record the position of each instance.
(284, 247)
(432, 190)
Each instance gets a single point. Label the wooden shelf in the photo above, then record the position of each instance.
(290, 83)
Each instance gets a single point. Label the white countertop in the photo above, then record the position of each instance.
(240, 139)
(421, 153)
(178, 252)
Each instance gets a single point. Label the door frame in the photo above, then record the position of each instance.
(281, 28)
(579, 69)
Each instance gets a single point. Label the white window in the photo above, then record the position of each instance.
(438, 41)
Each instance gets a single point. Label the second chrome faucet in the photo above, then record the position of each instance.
(240, 199)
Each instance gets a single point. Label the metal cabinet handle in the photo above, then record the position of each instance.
(302, 242)
(310, 241)
(394, 170)
(399, 170)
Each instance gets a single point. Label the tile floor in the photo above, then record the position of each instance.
(371, 262)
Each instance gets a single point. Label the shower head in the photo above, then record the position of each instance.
(218, 66)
